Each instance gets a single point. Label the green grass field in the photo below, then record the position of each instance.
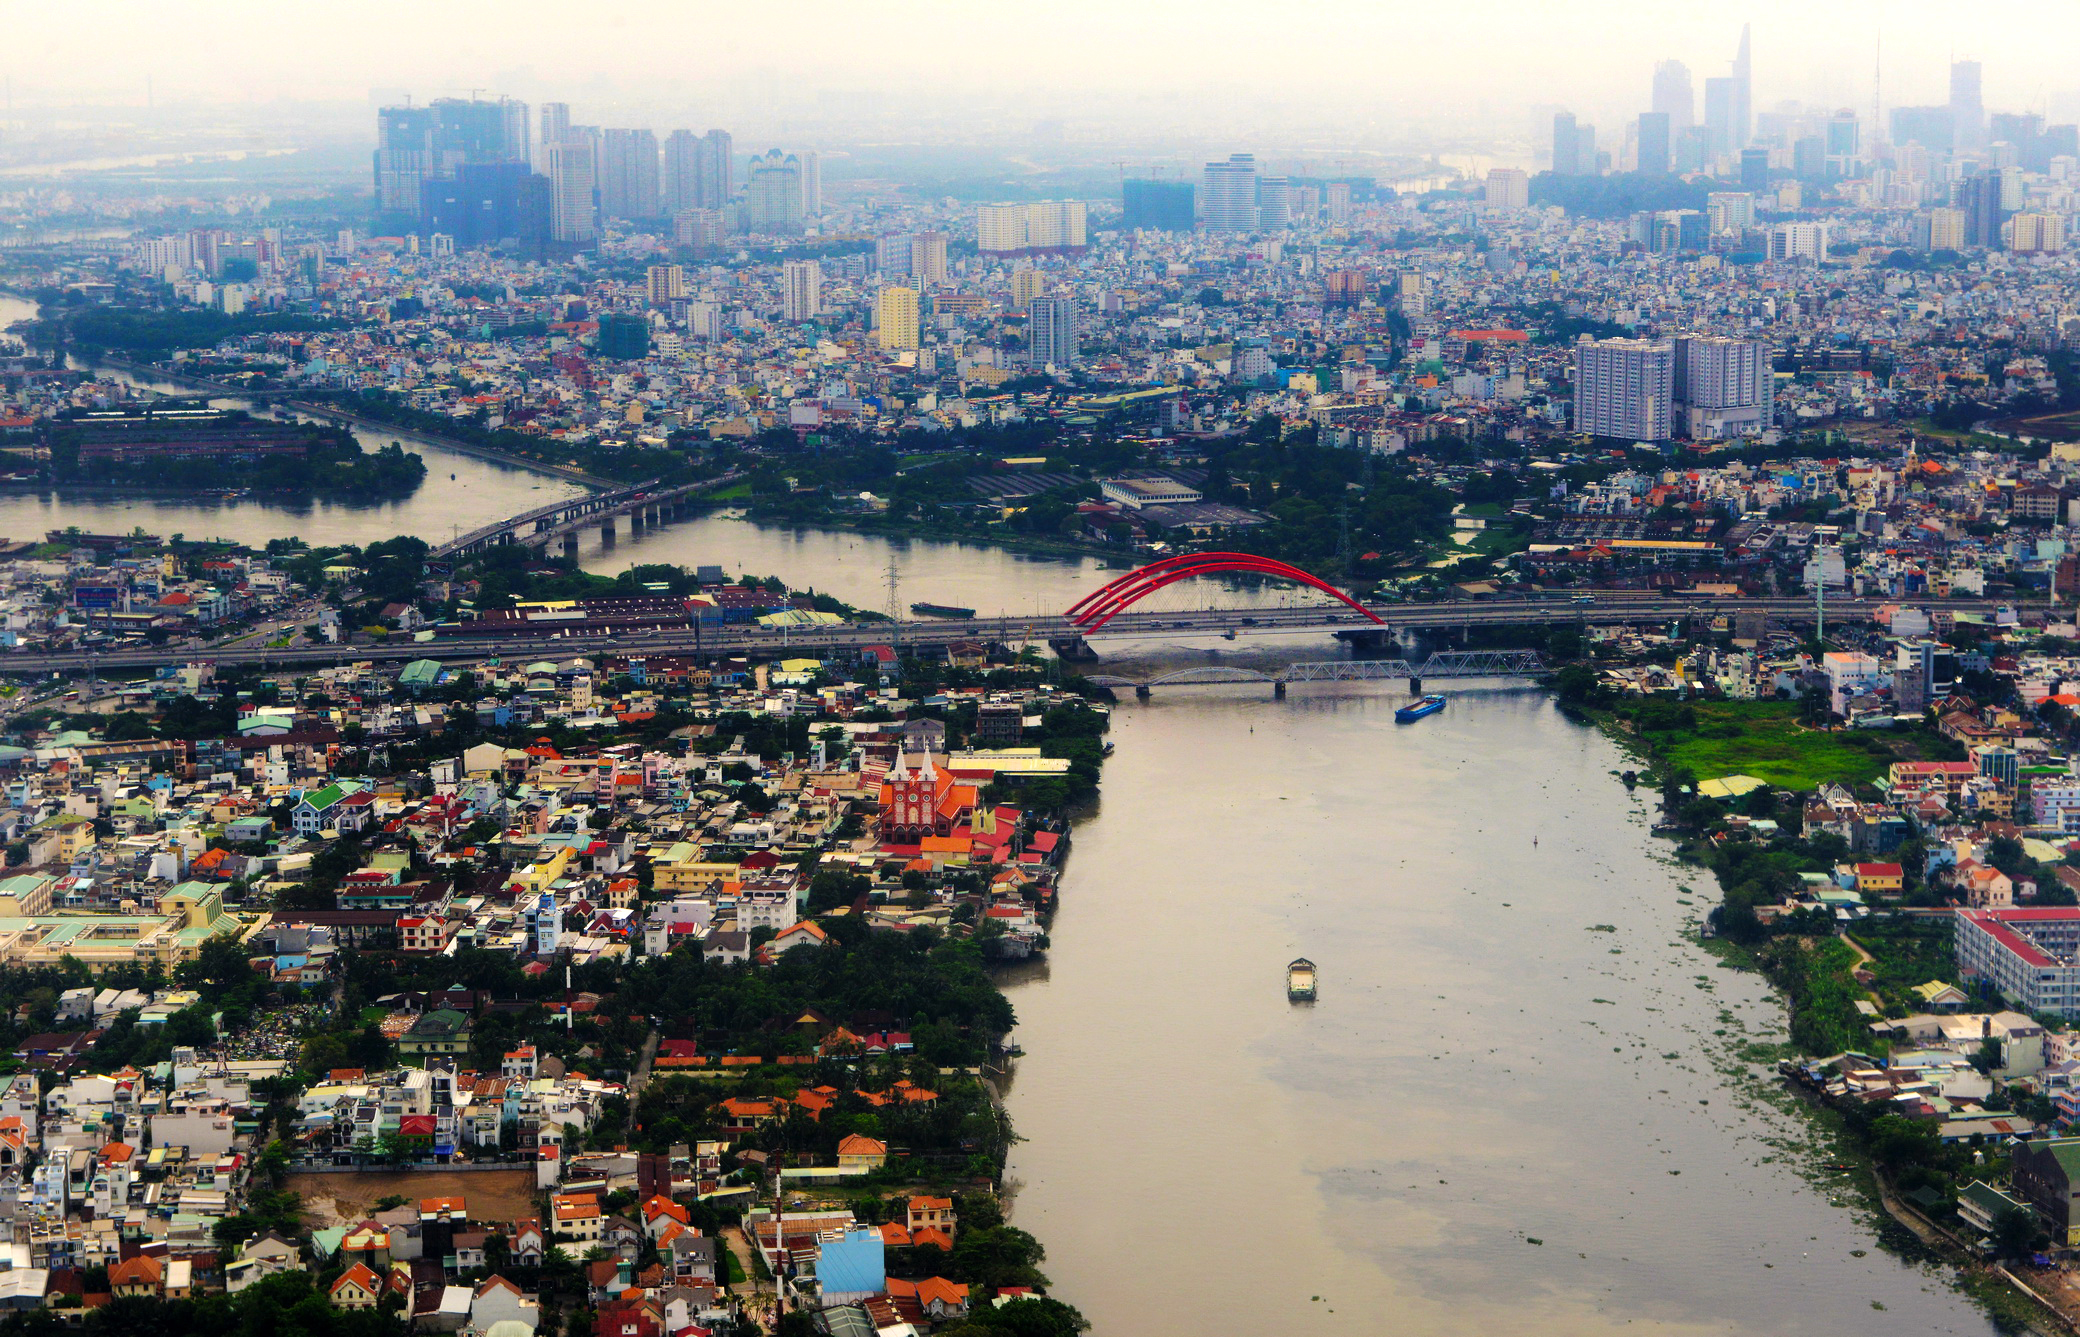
(1763, 739)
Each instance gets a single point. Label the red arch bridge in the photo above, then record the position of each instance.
(1100, 606)
(1443, 664)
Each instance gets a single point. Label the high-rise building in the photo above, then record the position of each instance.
(1027, 283)
(1566, 145)
(680, 186)
(664, 284)
(1274, 202)
(1967, 110)
(1721, 110)
(1336, 201)
(1980, 199)
(1046, 227)
(892, 255)
(895, 318)
(1755, 169)
(1656, 152)
(773, 194)
(1844, 143)
(717, 179)
(699, 228)
(1723, 387)
(518, 138)
(928, 259)
(1808, 158)
(1508, 188)
(1159, 206)
(1940, 230)
(555, 123)
(623, 336)
(1729, 211)
(1624, 388)
(486, 203)
(568, 164)
(628, 179)
(1693, 149)
(1798, 241)
(812, 182)
(1672, 95)
(1051, 332)
(801, 291)
(2037, 233)
(420, 144)
(1229, 194)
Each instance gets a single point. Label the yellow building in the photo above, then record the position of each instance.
(681, 868)
(895, 318)
(75, 834)
(1026, 284)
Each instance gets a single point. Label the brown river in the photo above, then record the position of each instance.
(1518, 1105)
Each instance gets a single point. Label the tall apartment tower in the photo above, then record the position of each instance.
(1656, 149)
(680, 186)
(1723, 387)
(628, 182)
(1743, 94)
(568, 164)
(773, 194)
(1027, 284)
(664, 283)
(1051, 332)
(1673, 97)
(716, 177)
(801, 291)
(812, 182)
(895, 318)
(1624, 388)
(1967, 109)
(1566, 145)
(928, 258)
(1980, 199)
(1229, 195)
(1508, 188)
(554, 124)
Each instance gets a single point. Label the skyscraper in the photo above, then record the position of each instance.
(1755, 169)
(628, 183)
(812, 182)
(1967, 110)
(415, 145)
(1673, 96)
(801, 291)
(1508, 188)
(1723, 387)
(1566, 145)
(928, 258)
(664, 283)
(555, 123)
(1655, 156)
(1156, 206)
(568, 164)
(1026, 285)
(1045, 227)
(485, 203)
(773, 194)
(1624, 388)
(1274, 202)
(1844, 143)
(1721, 111)
(1980, 199)
(717, 179)
(1051, 332)
(895, 318)
(681, 184)
(1229, 196)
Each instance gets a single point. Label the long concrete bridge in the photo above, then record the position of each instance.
(646, 505)
(462, 644)
(1444, 664)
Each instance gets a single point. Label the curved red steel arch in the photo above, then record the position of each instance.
(1100, 606)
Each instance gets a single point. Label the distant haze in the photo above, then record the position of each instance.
(1116, 66)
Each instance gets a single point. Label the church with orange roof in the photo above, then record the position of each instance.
(922, 802)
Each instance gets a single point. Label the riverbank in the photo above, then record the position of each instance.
(1026, 545)
(1824, 977)
(460, 447)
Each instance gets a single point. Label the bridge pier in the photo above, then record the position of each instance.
(570, 545)
(1368, 640)
(1072, 648)
(1141, 691)
(1278, 689)
(606, 531)
(635, 522)
(1415, 686)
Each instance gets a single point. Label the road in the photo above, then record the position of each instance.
(743, 639)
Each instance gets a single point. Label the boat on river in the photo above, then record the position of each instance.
(942, 610)
(1300, 981)
(1416, 709)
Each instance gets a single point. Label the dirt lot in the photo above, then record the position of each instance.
(343, 1200)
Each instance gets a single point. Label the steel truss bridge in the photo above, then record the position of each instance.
(1444, 664)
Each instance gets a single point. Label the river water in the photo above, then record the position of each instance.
(1517, 1038)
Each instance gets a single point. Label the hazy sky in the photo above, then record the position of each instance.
(1108, 59)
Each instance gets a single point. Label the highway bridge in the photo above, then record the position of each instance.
(1444, 664)
(646, 505)
(464, 646)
